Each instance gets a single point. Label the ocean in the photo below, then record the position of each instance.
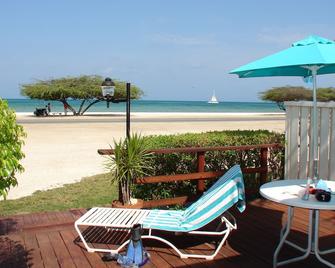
(28, 105)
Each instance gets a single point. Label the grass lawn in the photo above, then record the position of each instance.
(89, 192)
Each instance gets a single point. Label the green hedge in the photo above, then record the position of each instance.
(166, 164)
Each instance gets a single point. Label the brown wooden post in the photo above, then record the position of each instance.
(201, 168)
(120, 193)
(264, 165)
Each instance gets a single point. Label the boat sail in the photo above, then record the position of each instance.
(213, 99)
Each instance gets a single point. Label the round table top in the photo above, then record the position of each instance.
(290, 192)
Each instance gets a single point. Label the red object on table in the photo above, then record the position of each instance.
(312, 190)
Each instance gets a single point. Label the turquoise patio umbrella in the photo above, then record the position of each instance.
(308, 57)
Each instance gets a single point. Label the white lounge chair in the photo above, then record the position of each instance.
(213, 204)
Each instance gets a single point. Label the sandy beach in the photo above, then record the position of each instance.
(62, 150)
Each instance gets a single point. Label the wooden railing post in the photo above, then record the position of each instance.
(264, 165)
(120, 193)
(201, 168)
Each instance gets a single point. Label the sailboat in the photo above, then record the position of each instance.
(213, 99)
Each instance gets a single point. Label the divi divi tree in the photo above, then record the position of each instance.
(84, 88)
(296, 93)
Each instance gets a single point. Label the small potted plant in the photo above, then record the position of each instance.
(130, 160)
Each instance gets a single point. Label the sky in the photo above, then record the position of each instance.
(171, 49)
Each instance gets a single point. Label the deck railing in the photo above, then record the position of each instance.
(201, 175)
(299, 132)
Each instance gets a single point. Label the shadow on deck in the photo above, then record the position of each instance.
(49, 240)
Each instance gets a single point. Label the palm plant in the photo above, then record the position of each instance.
(131, 160)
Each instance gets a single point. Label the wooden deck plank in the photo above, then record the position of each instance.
(191, 246)
(93, 259)
(199, 249)
(191, 261)
(34, 253)
(19, 222)
(300, 221)
(28, 220)
(10, 225)
(59, 217)
(62, 254)
(53, 218)
(47, 252)
(67, 215)
(77, 213)
(47, 240)
(45, 218)
(5, 251)
(169, 257)
(298, 235)
(36, 219)
(157, 260)
(77, 255)
(12, 251)
(18, 251)
(228, 257)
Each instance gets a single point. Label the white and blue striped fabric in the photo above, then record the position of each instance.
(220, 197)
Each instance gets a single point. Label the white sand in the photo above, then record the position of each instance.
(62, 150)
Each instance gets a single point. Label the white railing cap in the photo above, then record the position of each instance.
(330, 104)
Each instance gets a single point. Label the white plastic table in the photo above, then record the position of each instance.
(289, 193)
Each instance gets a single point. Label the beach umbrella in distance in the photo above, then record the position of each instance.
(306, 58)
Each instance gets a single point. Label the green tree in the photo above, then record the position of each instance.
(11, 141)
(293, 93)
(85, 88)
(326, 94)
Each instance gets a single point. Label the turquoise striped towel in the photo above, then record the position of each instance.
(220, 197)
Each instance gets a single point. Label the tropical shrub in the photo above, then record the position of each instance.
(130, 160)
(11, 141)
(176, 163)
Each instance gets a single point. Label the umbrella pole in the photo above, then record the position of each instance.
(315, 127)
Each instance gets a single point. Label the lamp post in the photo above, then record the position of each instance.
(108, 91)
(128, 110)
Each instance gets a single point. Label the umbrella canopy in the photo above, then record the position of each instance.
(313, 50)
(308, 57)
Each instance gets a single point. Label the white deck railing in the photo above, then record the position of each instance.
(298, 162)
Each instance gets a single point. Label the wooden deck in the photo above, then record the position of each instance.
(49, 240)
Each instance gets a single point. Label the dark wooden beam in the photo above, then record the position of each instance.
(202, 149)
(192, 176)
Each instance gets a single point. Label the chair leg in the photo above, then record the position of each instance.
(90, 249)
(184, 255)
(221, 243)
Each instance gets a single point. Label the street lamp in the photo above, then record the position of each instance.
(108, 91)
(107, 88)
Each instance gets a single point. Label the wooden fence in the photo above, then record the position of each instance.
(201, 175)
(299, 130)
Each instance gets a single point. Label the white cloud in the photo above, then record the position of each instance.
(281, 36)
(107, 70)
(197, 65)
(176, 39)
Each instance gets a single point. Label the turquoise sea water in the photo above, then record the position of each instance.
(27, 105)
